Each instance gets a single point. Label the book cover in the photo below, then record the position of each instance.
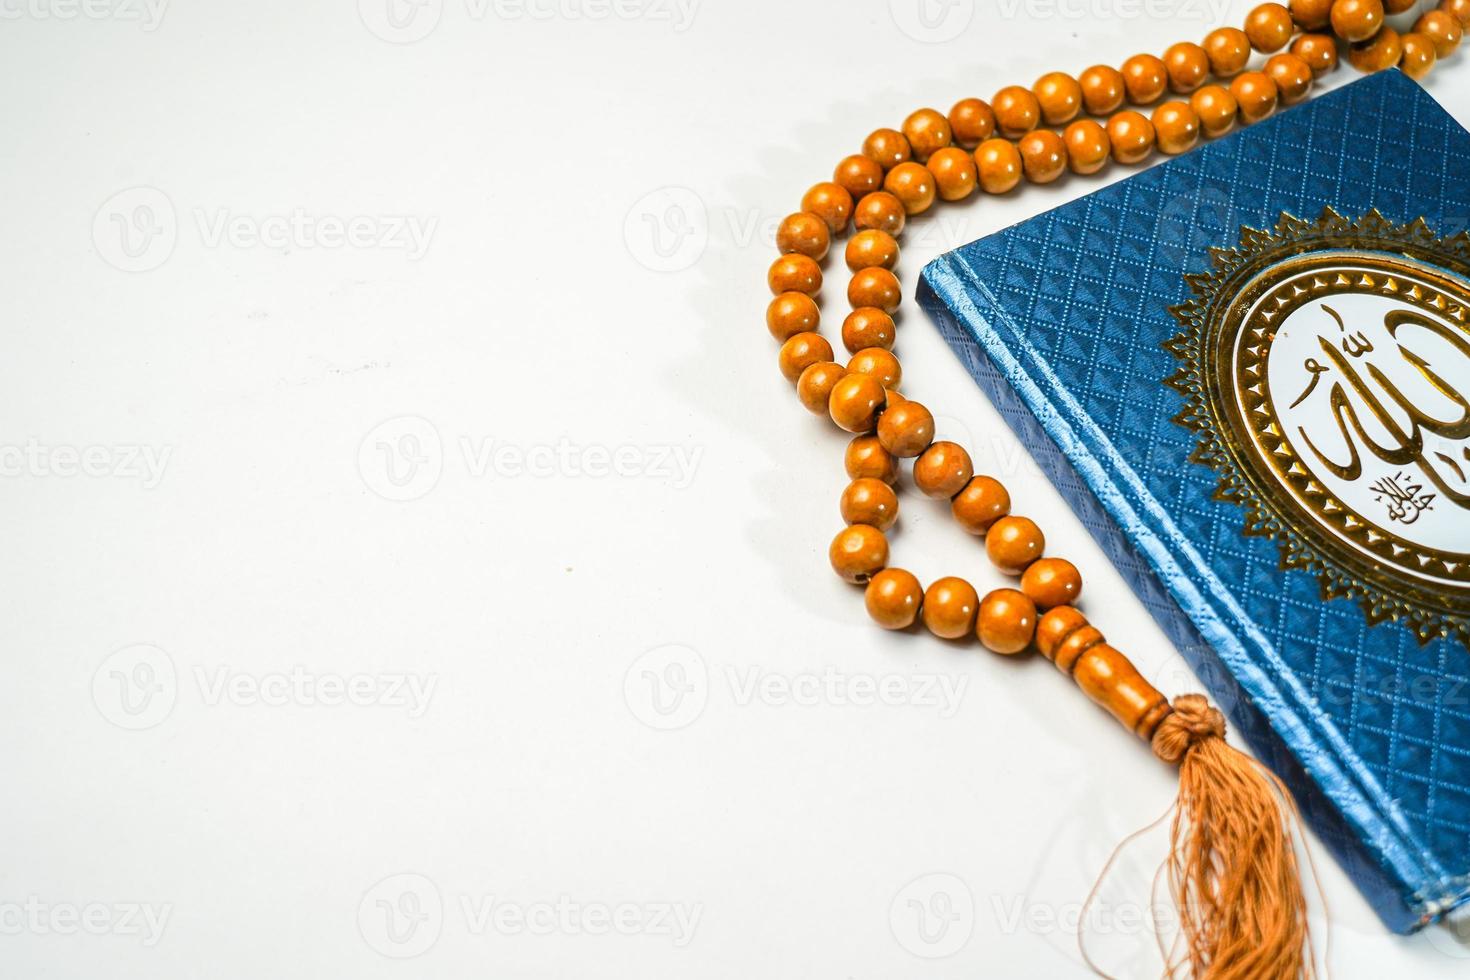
(1248, 369)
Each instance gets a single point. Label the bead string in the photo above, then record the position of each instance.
(992, 146)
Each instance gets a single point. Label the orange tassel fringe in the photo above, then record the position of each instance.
(1232, 866)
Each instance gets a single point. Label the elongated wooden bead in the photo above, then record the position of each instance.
(1102, 671)
(1111, 680)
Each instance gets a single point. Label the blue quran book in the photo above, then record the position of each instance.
(1248, 369)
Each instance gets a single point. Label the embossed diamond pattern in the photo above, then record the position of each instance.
(1088, 286)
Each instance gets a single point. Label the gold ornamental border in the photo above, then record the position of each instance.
(1301, 281)
(1207, 378)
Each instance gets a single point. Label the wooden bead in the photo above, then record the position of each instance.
(858, 175)
(1013, 543)
(1442, 29)
(1087, 146)
(1055, 626)
(876, 362)
(1458, 9)
(1356, 20)
(949, 608)
(867, 327)
(1043, 156)
(1379, 53)
(980, 504)
(1269, 27)
(954, 173)
(1059, 96)
(998, 164)
(1216, 108)
(970, 122)
(1145, 78)
(893, 598)
(1106, 676)
(1319, 51)
(1418, 56)
(1102, 89)
(1310, 15)
(1006, 621)
(874, 287)
(906, 429)
(866, 457)
(913, 185)
(1228, 49)
(887, 147)
(814, 387)
(1111, 681)
(805, 233)
(1070, 648)
(943, 470)
(1052, 582)
(1176, 127)
(1392, 7)
(879, 211)
(858, 552)
(1016, 111)
(1292, 76)
(1131, 136)
(1188, 66)
(1256, 95)
(869, 249)
(869, 501)
(790, 314)
(795, 272)
(926, 130)
(830, 202)
(855, 402)
(801, 352)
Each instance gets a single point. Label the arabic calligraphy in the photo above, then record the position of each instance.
(1406, 500)
(1364, 386)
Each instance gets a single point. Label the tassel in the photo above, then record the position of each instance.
(1232, 865)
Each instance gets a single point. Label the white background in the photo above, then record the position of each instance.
(273, 384)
